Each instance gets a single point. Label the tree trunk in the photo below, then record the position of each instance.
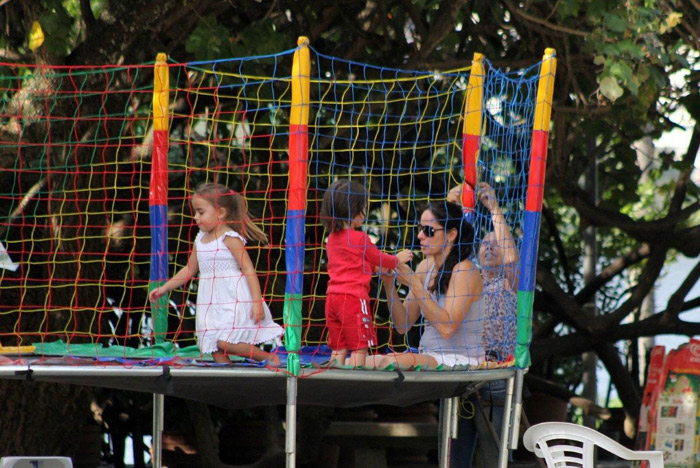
(42, 419)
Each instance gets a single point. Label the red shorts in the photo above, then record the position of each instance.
(349, 322)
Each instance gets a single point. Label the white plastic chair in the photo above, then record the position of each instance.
(35, 462)
(549, 440)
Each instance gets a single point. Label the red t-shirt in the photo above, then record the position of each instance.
(352, 258)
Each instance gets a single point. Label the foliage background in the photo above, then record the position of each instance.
(613, 90)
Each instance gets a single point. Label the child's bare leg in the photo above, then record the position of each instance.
(338, 356)
(407, 361)
(249, 351)
(357, 358)
(220, 357)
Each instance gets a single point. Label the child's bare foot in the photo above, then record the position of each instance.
(273, 360)
(330, 364)
(221, 358)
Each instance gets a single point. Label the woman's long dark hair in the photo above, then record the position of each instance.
(451, 216)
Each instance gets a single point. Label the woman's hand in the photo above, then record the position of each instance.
(455, 195)
(404, 274)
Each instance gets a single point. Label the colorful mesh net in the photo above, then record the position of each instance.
(77, 225)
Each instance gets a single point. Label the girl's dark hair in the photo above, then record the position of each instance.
(236, 210)
(343, 200)
(451, 216)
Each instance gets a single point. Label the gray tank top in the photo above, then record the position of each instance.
(467, 339)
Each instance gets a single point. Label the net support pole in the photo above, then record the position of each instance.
(158, 195)
(471, 134)
(446, 431)
(291, 432)
(294, 239)
(158, 426)
(517, 409)
(531, 233)
(158, 211)
(506, 425)
(533, 208)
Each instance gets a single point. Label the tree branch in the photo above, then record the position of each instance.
(573, 312)
(441, 27)
(538, 384)
(683, 177)
(615, 268)
(88, 17)
(559, 246)
(675, 302)
(646, 281)
(581, 341)
(621, 378)
(644, 231)
(533, 19)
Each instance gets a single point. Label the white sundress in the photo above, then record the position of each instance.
(224, 301)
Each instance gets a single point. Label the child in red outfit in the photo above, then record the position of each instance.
(352, 260)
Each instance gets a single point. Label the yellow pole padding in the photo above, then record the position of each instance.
(475, 93)
(545, 90)
(161, 93)
(17, 349)
(301, 83)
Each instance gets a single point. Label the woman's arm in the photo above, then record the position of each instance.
(240, 254)
(464, 289)
(404, 314)
(180, 278)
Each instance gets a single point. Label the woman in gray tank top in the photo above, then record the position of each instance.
(445, 290)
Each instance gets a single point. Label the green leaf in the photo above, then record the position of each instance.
(209, 40)
(610, 88)
(615, 22)
(620, 70)
(633, 84)
(629, 47)
(57, 26)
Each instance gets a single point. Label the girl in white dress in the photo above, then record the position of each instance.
(232, 317)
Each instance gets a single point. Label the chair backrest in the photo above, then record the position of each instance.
(35, 462)
(566, 445)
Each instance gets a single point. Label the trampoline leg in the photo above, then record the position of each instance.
(291, 433)
(517, 409)
(157, 441)
(507, 419)
(446, 430)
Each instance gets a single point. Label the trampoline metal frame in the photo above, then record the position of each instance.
(448, 406)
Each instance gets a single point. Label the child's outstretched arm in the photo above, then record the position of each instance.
(404, 256)
(180, 278)
(239, 252)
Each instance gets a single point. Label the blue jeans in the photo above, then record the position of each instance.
(490, 401)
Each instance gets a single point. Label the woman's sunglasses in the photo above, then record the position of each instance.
(428, 231)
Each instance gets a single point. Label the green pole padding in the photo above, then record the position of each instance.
(522, 347)
(159, 313)
(292, 331)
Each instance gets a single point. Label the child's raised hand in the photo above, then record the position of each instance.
(404, 256)
(156, 294)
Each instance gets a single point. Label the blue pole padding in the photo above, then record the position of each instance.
(159, 242)
(528, 256)
(294, 251)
